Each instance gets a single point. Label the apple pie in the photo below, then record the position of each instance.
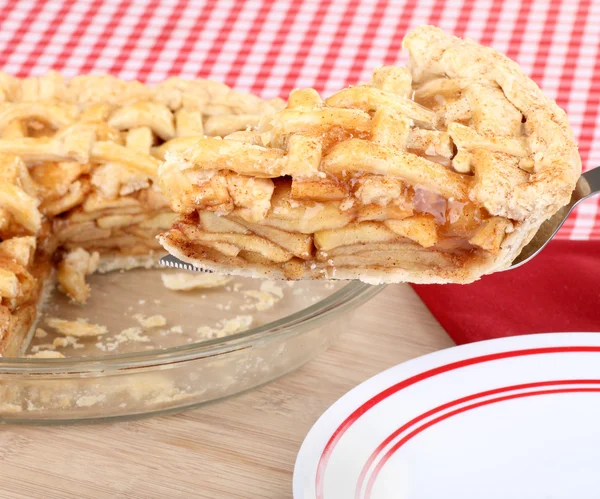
(78, 177)
(439, 172)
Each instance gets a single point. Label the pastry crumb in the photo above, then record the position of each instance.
(182, 281)
(266, 297)
(90, 400)
(265, 301)
(226, 327)
(141, 302)
(79, 328)
(44, 346)
(67, 341)
(103, 347)
(150, 322)
(176, 329)
(133, 334)
(272, 288)
(8, 407)
(46, 354)
(73, 269)
(40, 333)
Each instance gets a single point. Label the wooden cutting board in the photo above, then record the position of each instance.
(242, 447)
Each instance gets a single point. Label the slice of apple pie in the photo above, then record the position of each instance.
(437, 173)
(78, 170)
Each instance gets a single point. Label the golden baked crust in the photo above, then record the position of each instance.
(437, 173)
(78, 164)
(24, 267)
(550, 154)
(440, 172)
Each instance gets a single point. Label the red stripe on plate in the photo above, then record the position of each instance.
(447, 405)
(448, 415)
(376, 399)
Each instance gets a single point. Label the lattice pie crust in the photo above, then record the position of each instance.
(438, 172)
(435, 173)
(78, 170)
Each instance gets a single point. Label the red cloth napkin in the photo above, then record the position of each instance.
(559, 290)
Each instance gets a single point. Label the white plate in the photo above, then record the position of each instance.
(511, 418)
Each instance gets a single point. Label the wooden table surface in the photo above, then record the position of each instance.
(243, 447)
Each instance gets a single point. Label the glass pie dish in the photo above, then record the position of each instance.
(210, 343)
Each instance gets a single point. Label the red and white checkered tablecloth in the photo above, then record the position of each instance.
(270, 47)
